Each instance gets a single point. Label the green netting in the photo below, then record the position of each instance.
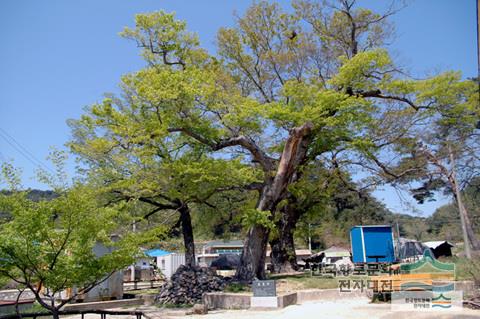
(427, 264)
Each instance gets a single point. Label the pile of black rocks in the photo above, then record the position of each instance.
(188, 284)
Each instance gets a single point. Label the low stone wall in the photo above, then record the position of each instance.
(287, 299)
(12, 294)
(326, 294)
(271, 303)
(99, 305)
(467, 286)
(220, 300)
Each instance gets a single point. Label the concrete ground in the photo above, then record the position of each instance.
(357, 308)
(354, 308)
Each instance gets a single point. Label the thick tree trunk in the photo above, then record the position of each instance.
(284, 259)
(469, 238)
(187, 232)
(252, 262)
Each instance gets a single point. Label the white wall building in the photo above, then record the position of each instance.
(214, 249)
(167, 262)
(109, 289)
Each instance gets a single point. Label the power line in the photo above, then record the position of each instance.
(23, 151)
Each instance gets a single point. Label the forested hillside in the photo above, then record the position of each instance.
(328, 223)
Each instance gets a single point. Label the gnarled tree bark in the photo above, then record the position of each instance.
(185, 220)
(252, 262)
(469, 238)
(283, 256)
(187, 232)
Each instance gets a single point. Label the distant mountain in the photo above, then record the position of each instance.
(35, 195)
(38, 195)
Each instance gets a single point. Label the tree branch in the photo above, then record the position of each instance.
(267, 163)
(378, 94)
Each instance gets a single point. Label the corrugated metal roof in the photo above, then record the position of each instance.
(157, 252)
(224, 243)
(435, 244)
(303, 252)
(336, 252)
(298, 252)
(333, 252)
(364, 226)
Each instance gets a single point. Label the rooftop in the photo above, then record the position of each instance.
(435, 244)
(157, 253)
(224, 243)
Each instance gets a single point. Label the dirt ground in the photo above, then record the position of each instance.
(353, 308)
(357, 308)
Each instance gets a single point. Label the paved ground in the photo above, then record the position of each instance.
(357, 308)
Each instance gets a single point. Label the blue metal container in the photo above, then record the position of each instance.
(372, 244)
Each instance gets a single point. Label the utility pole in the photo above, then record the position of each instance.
(310, 236)
(132, 267)
(399, 248)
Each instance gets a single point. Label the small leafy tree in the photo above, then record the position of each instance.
(439, 147)
(46, 246)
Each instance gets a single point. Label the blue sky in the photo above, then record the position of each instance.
(60, 56)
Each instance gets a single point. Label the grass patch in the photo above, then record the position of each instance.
(316, 282)
(236, 287)
(307, 281)
(465, 269)
(153, 291)
(34, 308)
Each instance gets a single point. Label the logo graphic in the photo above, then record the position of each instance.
(441, 302)
(426, 285)
(440, 296)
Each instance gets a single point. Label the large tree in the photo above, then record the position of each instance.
(285, 89)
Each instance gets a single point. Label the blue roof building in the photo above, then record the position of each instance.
(157, 253)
